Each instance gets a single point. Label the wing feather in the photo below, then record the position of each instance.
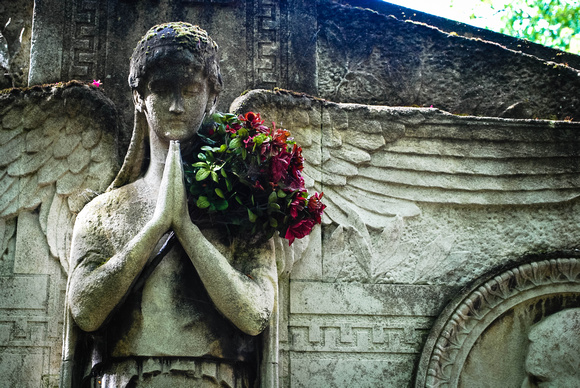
(11, 151)
(65, 145)
(55, 155)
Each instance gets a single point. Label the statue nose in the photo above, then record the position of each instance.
(177, 103)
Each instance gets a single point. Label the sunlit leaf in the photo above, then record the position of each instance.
(202, 202)
(251, 216)
(202, 175)
(273, 197)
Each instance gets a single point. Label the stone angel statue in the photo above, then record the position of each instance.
(152, 299)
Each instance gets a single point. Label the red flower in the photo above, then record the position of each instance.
(298, 230)
(254, 121)
(233, 128)
(279, 166)
(294, 180)
(315, 207)
(280, 136)
(249, 142)
(296, 206)
(297, 158)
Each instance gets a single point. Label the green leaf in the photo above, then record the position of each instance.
(207, 148)
(199, 164)
(223, 172)
(273, 197)
(219, 192)
(201, 156)
(202, 202)
(273, 223)
(202, 174)
(235, 143)
(251, 216)
(221, 205)
(239, 200)
(228, 184)
(215, 177)
(274, 206)
(281, 194)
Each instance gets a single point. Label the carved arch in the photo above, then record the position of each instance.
(466, 320)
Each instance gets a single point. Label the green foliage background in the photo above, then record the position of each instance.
(554, 23)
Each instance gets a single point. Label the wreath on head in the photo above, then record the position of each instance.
(247, 176)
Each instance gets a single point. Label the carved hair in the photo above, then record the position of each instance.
(163, 44)
(163, 41)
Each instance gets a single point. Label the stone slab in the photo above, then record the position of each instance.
(24, 292)
(366, 299)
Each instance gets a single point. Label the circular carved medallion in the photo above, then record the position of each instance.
(481, 338)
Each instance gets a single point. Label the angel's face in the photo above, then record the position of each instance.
(174, 101)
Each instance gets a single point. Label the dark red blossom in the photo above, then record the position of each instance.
(299, 230)
(297, 158)
(249, 143)
(279, 165)
(233, 128)
(254, 121)
(316, 207)
(296, 206)
(294, 180)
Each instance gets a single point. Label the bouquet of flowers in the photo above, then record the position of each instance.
(244, 174)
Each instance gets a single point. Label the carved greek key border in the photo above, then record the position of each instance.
(267, 20)
(443, 352)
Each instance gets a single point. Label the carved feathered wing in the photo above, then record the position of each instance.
(379, 165)
(57, 151)
(383, 161)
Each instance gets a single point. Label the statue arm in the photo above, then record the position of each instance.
(101, 279)
(246, 299)
(103, 273)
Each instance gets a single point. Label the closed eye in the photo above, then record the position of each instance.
(159, 87)
(192, 89)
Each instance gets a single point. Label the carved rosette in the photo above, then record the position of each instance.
(462, 323)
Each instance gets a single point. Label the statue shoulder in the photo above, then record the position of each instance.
(121, 208)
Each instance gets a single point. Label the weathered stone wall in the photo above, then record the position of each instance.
(15, 33)
(367, 57)
(420, 205)
(321, 48)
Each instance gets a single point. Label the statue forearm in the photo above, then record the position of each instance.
(99, 284)
(247, 300)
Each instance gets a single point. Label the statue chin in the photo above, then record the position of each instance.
(179, 132)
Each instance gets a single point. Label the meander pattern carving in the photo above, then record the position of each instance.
(85, 39)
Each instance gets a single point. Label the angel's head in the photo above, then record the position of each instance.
(175, 78)
(174, 42)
